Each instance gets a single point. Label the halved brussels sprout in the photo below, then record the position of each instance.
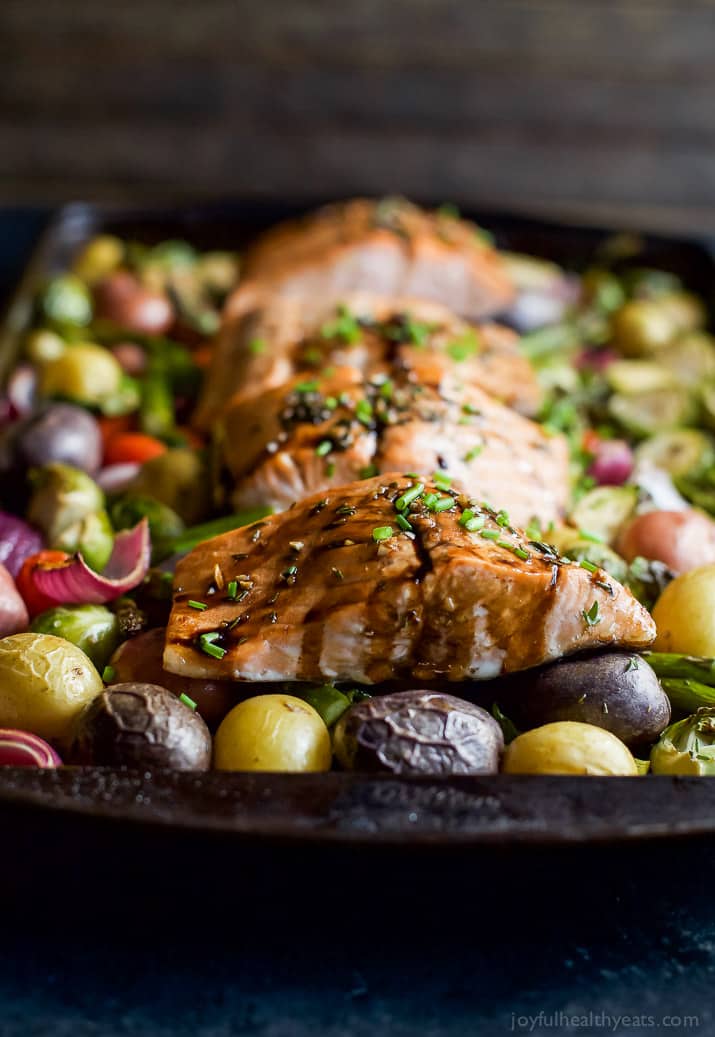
(637, 376)
(645, 413)
(605, 510)
(678, 452)
(687, 747)
(691, 358)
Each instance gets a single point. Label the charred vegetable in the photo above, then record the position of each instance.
(44, 683)
(419, 732)
(687, 747)
(60, 432)
(141, 725)
(616, 691)
(93, 628)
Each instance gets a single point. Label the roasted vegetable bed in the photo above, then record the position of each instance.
(107, 484)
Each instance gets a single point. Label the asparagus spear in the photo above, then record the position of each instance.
(688, 695)
(685, 667)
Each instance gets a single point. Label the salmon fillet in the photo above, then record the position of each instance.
(390, 246)
(319, 432)
(266, 345)
(335, 589)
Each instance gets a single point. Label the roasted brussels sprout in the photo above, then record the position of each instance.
(679, 452)
(66, 301)
(613, 690)
(140, 658)
(419, 732)
(179, 480)
(604, 511)
(62, 497)
(569, 747)
(644, 326)
(164, 523)
(643, 414)
(272, 733)
(92, 536)
(141, 725)
(93, 628)
(687, 747)
(44, 683)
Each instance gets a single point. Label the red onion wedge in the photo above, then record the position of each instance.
(75, 583)
(22, 749)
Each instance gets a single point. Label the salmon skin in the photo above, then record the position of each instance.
(320, 432)
(266, 345)
(388, 578)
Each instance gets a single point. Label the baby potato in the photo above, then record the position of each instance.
(685, 614)
(45, 681)
(272, 733)
(84, 372)
(682, 540)
(568, 747)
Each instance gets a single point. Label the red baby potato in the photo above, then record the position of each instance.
(682, 540)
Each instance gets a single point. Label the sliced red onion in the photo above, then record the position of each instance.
(22, 749)
(613, 462)
(596, 359)
(116, 477)
(75, 583)
(21, 390)
(17, 542)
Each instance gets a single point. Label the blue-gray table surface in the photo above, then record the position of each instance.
(594, 942)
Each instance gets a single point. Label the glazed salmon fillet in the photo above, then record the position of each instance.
(391, 247)
(388, 578)
(316, 433)
(265, 346)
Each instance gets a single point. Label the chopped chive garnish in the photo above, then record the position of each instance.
(463, 347)
(502, 519)
(187, 701)
(469, 408)
(108, 674)
(403, 502)
(441, 480)
(324, 448)
(588, 566)
(592, 615)
(473, 453)
(290, 571)
(386, 389)
(403, 523)
(257, 346)
(471, 522)
(232, 589)
(490, 534)
(368, 471)
(382, 533)
(345, 326)
(306, 386)
(363, 411)
(443, 504)
(337, 573)
(206, 643)
(593, 537)
(200, 605)
(330, 402)
(520, 552)
(330, 469)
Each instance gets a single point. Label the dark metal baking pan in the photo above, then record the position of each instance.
(349, 810)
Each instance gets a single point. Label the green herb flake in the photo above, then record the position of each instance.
(442, 481)
(404, 524)
(490, 534)
(207, 646)
(187, 701)
(363, 411)
(464, 347)
(232, 589)
(304, 387)
(257, 346)
(345, 326)
(369, 471)
(200, 606)
(412, 493)
(380, 533)
(473, 454)
(593, 538)
(323, 448)
(502, 518)
(108, 674)
(592, 616)
(588, 566)
(443, 504)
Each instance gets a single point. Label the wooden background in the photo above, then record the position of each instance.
(520, 103)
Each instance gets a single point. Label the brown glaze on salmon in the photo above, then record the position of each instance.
(336, 589)
(319, 432)
(391, 247)
(264, 347)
